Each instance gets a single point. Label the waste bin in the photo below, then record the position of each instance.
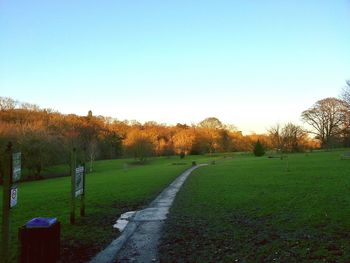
(40, 241)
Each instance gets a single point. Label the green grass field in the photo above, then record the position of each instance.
(249, 209)
(110, 191)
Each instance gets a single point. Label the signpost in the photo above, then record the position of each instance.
(79, 181)
(77, 186)
(11, 173)
(80, 187)
(15, 177)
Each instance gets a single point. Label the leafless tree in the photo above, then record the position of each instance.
(328, 117)
(288, 138)
(275, 135)
(292, 136)
(345, 95)
(7, 103)
(140, 148)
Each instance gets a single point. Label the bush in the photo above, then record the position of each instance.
(182, 155)
(259, 149)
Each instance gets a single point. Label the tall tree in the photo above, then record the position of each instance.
(345, 95)
(328, 117)
(293, 137)
(211, 123)
(183, 140)
(275, 136)
(288, 138)
(90, 129)
(139, 145)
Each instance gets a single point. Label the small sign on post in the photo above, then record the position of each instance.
(79, 181)
(13, 196)
(16, 167)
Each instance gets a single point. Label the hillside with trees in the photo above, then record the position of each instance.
(45, 137)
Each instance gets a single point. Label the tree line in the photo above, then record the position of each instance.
(45, 137)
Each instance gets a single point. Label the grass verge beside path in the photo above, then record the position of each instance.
(250, 209)
(110, 190)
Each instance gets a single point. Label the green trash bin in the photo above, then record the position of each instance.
(40, 241)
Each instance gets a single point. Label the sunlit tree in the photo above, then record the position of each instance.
(211, 123)
(328, 118)
(139, 145)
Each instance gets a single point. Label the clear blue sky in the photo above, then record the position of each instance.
(249, 63)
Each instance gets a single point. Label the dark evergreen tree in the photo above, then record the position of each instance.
(259, 149)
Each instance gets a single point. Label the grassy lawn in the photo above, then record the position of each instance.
(110, 191)
(249, 209)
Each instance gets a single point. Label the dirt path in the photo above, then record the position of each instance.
(139, 240)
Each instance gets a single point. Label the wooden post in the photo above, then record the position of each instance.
(72, 174)
(82, 197)
(7, 168)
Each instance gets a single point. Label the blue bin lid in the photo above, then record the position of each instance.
(41, 222)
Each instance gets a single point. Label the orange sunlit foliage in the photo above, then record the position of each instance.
(46, 137)
(183, 139)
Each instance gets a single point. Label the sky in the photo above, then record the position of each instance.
(249, 63)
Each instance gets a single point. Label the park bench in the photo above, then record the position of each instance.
(345, 156)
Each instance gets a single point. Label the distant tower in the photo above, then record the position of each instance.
(90, 114)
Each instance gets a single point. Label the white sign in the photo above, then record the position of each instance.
(79, 181)
(13, 197)
(16, 167)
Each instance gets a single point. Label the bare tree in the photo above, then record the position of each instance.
(288, 138)
(328, 117)
(7, 103)
(89, 130)
(140, 148)
(275, 135)
(292, 137)
(345, 95)
(92, 148)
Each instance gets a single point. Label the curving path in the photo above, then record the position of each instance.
(139, 240)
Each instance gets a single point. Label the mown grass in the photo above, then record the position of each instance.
(110, 190)
(249, 209)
